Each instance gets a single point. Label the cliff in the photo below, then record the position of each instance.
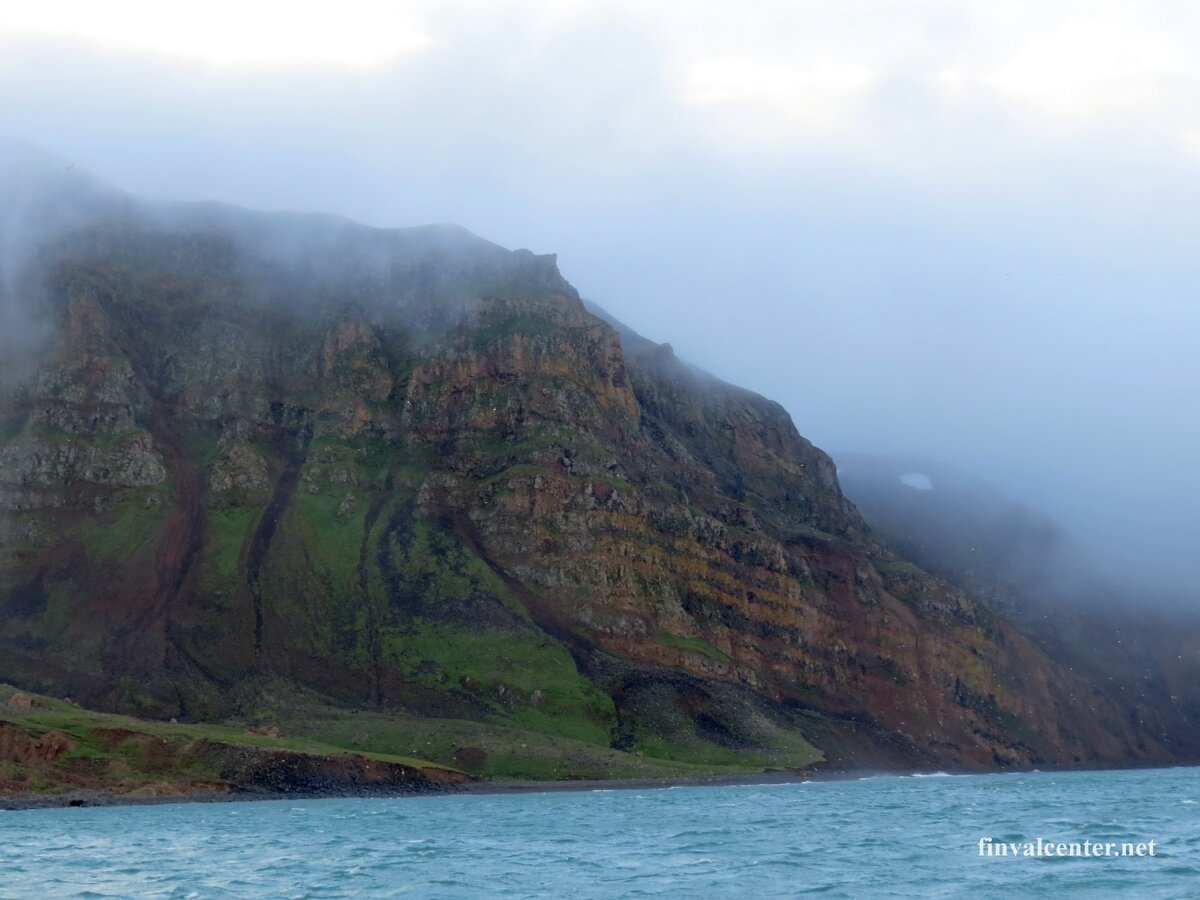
(1139, 649)
(410, 473)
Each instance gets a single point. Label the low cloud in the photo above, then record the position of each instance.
(945, 230)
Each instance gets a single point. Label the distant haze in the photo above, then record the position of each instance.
(963, 232)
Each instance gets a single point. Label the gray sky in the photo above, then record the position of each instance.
(963, 231)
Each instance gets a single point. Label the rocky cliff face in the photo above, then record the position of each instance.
(409, 470)
(1141, 652)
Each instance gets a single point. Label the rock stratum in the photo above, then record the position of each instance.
(409, 475)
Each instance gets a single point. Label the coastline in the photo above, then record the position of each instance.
(17, 802)
(92, 797)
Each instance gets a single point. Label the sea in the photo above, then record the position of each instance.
(869, 837)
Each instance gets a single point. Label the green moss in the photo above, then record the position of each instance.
(104, 441)
(431, 573)
(530, 442)
(494, 751)
(79, 724)
(229, 530)
(121, 532)
(333, 541)
(60, 610)
(900, 568)
(369, 459)
(91, 752)
(111, 441)
(521, 469)
(787, 750)
(525, 676)
(691, 645)
(203, 445)
(502, 330)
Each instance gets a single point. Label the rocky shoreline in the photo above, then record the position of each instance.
(12, 802)
(331, 791)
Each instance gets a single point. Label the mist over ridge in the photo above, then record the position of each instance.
(259, 440)
(847, 398)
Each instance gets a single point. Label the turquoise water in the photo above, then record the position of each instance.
(877, 837)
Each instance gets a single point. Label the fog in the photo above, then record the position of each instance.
(960, 232)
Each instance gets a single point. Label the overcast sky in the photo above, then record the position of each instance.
(958, 230)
